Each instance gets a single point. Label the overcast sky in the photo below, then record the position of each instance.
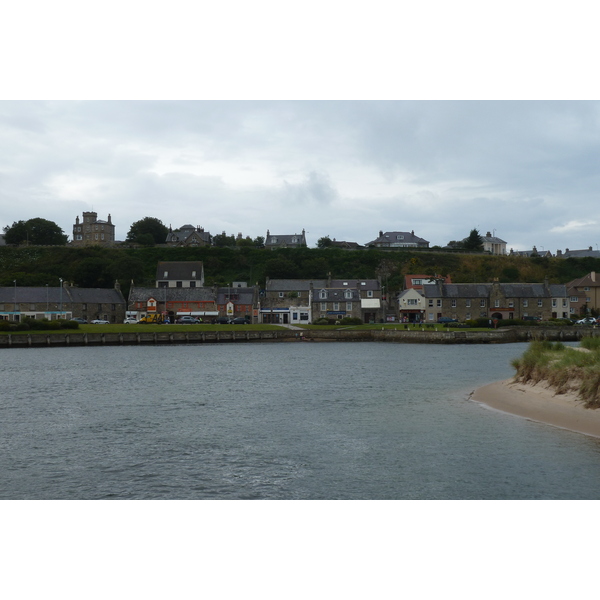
(526, 170)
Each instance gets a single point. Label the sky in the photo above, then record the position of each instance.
(525, 171)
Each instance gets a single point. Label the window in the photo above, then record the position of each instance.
(588, 299)
(412, 301)
(586, 289)
(304, 316)
(336, 306)
(496, 303)
(179, 284)
(166, 274)
(511, 304)
(193, 273)
(99, 307)
(113, 307)
(453, 303)
(281, 294)
(294, 316)
(468, 303)
(467, 316)
(525, 303)
(573, 298)
(431, 316)
(192, 284)
(399, 237)
(482, 303)
(417, 282)
(439, 303)
(553, 302)
(348, 294)
(370, 294)
(323, 294)
(323, 305)
(431, 303)
(348, 306)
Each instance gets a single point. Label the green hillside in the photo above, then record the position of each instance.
(100, 267)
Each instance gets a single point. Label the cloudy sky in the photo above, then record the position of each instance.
(290, 147)
(526, 170)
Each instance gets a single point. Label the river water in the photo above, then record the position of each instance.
(276, 421)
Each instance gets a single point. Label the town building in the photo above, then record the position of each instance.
(493, 244)
(531, 253)
(238, 300)
(464, 301)
(298, 301)
(584, 294)
(587, 253)
(180, 274)
(188, 235)
(93, 231)
(273, 242)
(62, 302)
(398, 239)
(172, 302)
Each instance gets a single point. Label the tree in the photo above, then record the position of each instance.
(474, 242)
(259, 241)
(38, 232)
(223, 240)
(324, 242)
(148, 226)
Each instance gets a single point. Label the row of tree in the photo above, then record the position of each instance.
(151, 231)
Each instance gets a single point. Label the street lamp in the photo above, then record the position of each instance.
(61, 288)
(15, 282)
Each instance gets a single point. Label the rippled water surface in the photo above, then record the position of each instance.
(276, 421)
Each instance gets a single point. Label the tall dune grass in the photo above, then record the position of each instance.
(563, 368)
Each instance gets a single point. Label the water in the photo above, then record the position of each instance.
(276, 421)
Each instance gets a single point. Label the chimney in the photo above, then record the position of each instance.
(380, 233)
(593, 276)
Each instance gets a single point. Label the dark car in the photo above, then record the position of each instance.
(447, 320)
(240, 321)
(187, 320)
(530, 318)
(223, 320)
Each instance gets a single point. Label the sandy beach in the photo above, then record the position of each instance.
(540, 403)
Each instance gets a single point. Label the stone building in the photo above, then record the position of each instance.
(398, 239)
(298, 301)
(188, 235)
(272, 242)
(62, 302)
(181, 274)
(464, 301)
(238, 300)
(92, 231)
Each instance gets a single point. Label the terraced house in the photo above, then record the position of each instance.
(297, 301)
(464, 301)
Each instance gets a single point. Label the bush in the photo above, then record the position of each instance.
(68, 324)
(351, 321)
(322, 321)
(4, 325)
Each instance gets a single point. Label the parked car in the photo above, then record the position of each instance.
(187, 320)
(224, 320)
(240, 321)
(530, 318)
(447, 320)
(79, 320)
(586, 321)
(130, 321)
(100, 322)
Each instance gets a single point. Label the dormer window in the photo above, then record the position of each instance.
(399, 237)
(166, 274)
(323, 294)
(193, 273)
(348, 294)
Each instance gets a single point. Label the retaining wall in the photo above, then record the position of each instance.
(501, 336)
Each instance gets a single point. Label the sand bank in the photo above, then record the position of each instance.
(540, 403)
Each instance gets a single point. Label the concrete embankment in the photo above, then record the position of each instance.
(500, 336)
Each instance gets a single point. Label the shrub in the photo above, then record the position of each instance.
(322, 321)
(68, 324)
(351, 321)
(4, 325)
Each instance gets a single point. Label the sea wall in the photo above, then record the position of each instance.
(500, 336)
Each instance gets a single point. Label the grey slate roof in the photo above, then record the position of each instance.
(483, 290)
(389, 238)
(286, 240)
(179, 270)
(197, 294)
(182, 234)
(294, 285)
(243, 295)
(53, 294)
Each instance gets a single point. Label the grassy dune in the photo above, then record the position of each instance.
(564, 368)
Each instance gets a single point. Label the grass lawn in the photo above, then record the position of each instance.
(150, 328)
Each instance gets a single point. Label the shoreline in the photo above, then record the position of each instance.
(541, 404)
